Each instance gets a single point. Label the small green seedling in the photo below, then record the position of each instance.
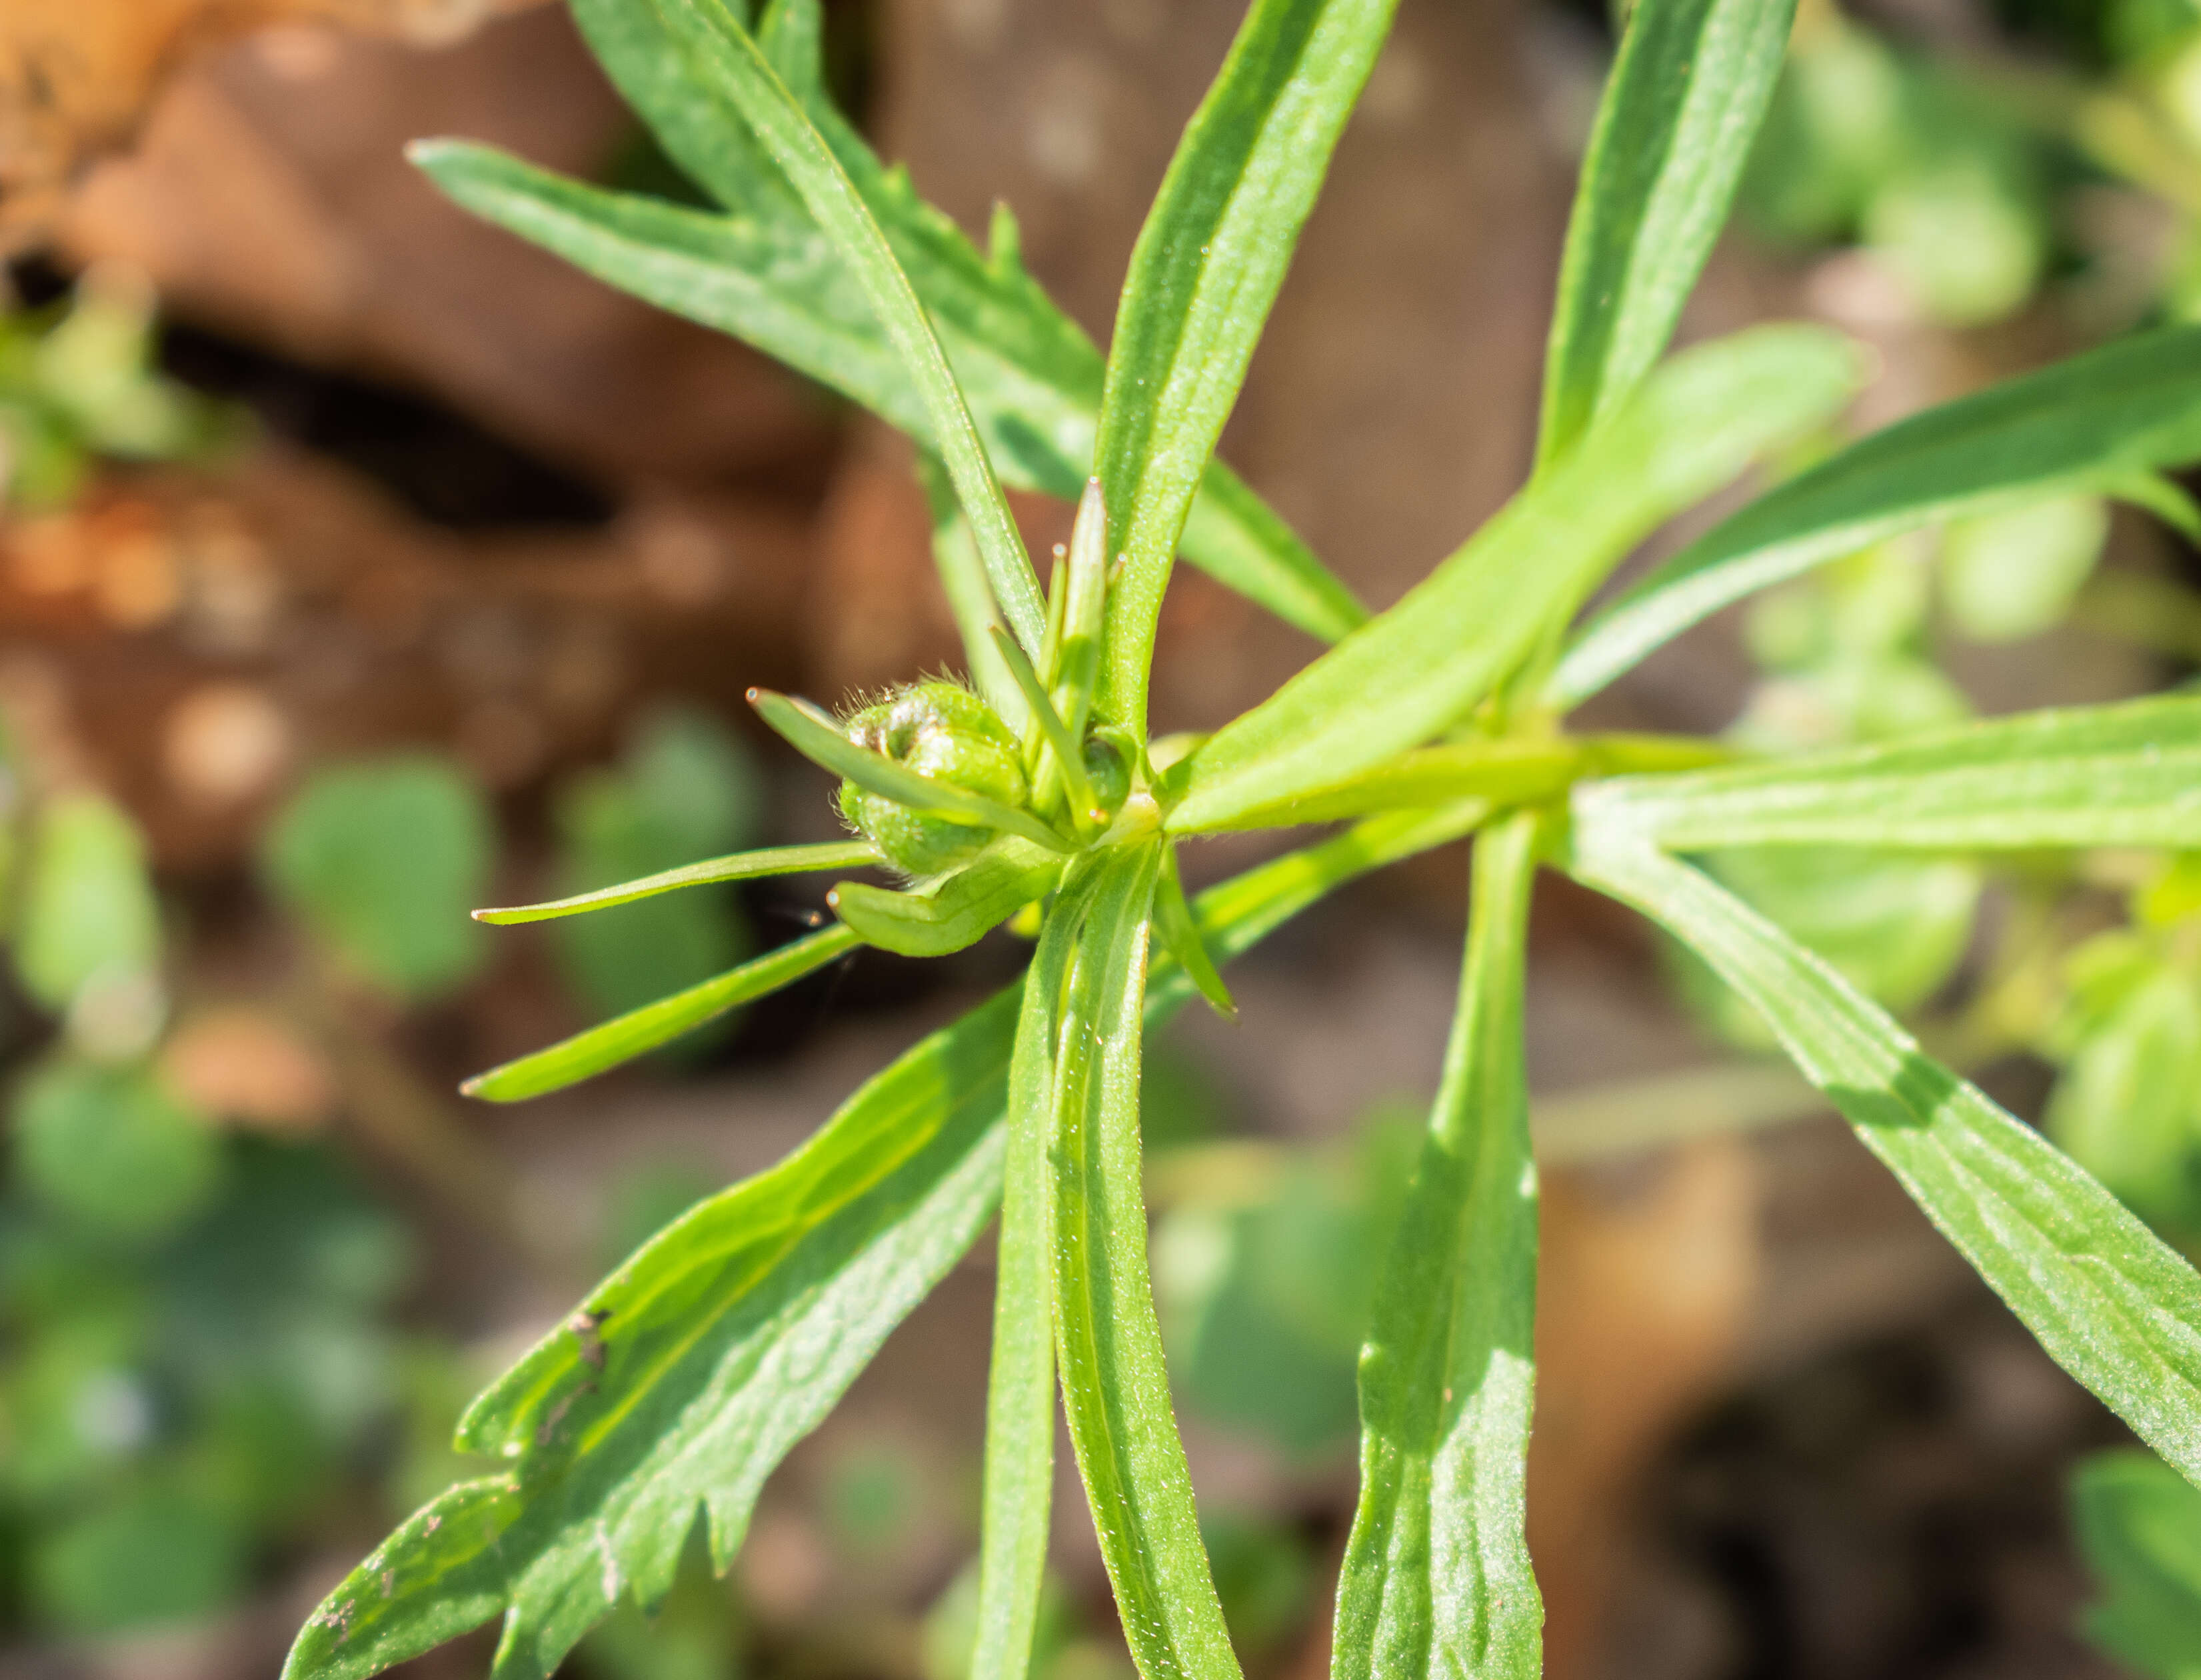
(686, 1377)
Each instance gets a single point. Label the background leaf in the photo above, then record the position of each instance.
(2139, 1525)
(383, 862)
(1684, 102)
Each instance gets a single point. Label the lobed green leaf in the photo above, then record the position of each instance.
(2122, 775)
(685, 1379)
(2104, 421)
(1688, 91)
(1423, 665)
(1203, 276)
(2109, 1300)
(1437, 1578)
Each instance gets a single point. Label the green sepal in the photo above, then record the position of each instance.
(955, 911)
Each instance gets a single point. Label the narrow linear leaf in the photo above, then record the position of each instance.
(740, 867)
(586, 1055)
(1180, 932)
(2091, 423)
(1510, 772)
(970, 598)
(766, 275)
(2108, 1300)
(1069, 762)
(1203, 277)
(2123, 775)
(1422, 665)
(685, 1379)
(816, 736)
(722, 57)
(1115, 1391)
(954, 912)
(1437, 1578)
(1684, 102)
(1020, 1472)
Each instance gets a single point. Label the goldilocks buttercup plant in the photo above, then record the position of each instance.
(684, 1380)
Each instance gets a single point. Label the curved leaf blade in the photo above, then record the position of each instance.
(1204, 274)
(2109, 1302)
(1437, 1578)
(1687, 95)
(1422, 667)
(738, 866)
(2122, 775)
(2097, 422)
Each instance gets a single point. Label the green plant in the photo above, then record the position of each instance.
(684, 1379)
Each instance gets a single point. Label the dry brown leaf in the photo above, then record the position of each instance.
(77, 76)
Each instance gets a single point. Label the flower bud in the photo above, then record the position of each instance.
(946, 732)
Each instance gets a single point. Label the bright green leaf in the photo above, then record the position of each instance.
(767, 276)
(1422, 667)
(729, 1336)
(955, 911)
(1020, 1468)
(723, 64)
(1436, 1577)
(741, 866)
(1688, 93)
(1203, 275)
(588, 1054)
(2108, 1300)
(2092, 424)
(2121, 775)
(1115, 1391)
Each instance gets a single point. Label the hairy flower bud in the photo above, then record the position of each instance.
(944, 731)
(1108, 754)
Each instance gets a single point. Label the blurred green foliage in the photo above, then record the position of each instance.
(383, 861)
(685, 788)
(2139, 1526)
(79, 383)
